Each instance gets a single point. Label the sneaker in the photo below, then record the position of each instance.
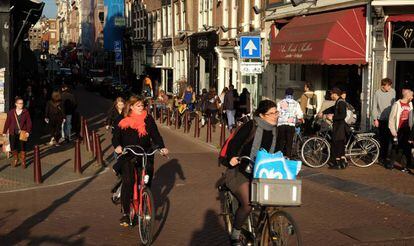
(124, 221)
(405, 170)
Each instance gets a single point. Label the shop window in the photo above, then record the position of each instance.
(292, 72)
(403, 35)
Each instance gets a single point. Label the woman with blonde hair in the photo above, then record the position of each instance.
(137, 128)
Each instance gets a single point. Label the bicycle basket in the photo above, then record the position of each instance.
(276, 192)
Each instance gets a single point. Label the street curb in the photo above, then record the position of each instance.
(58, 184)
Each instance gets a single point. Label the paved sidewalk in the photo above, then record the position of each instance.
(57, 163)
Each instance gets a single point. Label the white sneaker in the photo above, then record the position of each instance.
(52, 141)
(146, 179)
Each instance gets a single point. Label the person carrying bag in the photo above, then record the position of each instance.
(18, 125)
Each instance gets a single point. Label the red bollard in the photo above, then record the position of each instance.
(78, 161)
(37, 168)
(168, 117)
(208, 137)
(98, 150)
(196, 125)
(176, 120)
(185, 122)
(222, 134)
(93, 144)
(161, 115)
(82, 132)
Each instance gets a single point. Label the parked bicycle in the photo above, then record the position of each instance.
(298, 139)
(142, 205)
(266, 224)
(362, 149)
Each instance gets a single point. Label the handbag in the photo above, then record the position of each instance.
(22, 133)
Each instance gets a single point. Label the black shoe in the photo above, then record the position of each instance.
(336, 165)
(235, 242)
(124, 221)
(343, 163)
(405, 170)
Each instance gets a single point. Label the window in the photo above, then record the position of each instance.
(205, 13)
(169, 21)
(164, 21)
(159, 30)
(182, 17)
(176, 18)
(292, 72)
(150, 20)
(52, 35)
(154, 25)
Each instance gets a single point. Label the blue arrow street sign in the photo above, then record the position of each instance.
(250, 47)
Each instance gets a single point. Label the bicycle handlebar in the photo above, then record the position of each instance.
(249, 167)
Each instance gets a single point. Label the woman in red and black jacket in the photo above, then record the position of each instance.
(137, 128)
(22, 116)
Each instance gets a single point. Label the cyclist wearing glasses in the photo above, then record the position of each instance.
(137, 128)
(252, 136)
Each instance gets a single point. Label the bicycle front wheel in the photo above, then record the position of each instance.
(228, 214)
(146, 216)
(364, 152)
(315, 152)
(281, 230)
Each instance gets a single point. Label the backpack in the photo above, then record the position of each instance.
(223, 159)
(351, 117)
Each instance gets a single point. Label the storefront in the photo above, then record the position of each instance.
(203, 63)
(327, 49)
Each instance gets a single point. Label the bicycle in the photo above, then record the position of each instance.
(142, 204)
(266, 224)
(298, 140)
(362, 149)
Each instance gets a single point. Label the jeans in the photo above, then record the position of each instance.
(230, 117)
(67, 128)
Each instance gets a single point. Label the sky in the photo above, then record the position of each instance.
(50, 8)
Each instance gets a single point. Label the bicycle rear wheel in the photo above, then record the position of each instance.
(281, 230)
(315, 152)
(146, 217)
(228, 215)
(364, 152)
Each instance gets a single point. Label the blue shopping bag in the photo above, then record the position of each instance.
(275, 166)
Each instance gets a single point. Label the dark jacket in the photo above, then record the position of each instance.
(69, 103)
(230, 100)
(239, 147)
(11, 125)
(340, 128)
(129, 136)
(114, 117)
(54, 113)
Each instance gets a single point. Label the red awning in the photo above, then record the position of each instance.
(401, 18)
(331, 38)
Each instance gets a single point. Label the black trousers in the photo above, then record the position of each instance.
(284, 141)
(16, 144)
(403, 138)
(384, 136)
(307, 126)
(338, 148)
(128, 167)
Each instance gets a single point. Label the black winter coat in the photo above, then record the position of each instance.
(129, 136)
(340, 128)
(239, 147)
(114, 117)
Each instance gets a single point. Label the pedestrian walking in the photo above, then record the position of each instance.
(148, 86)
(223, 117)
(18, 126)
(289, 114)
(400, 123)
(29, 100)
(115, 114)
(229, 105)
(244, 102)
(54, 117)
(253, 135)
(339, 128)
(384, 98)
(308, 104)
(212, 106)
(69, 108)
(137, 128)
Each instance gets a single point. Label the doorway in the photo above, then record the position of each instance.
(404, 76)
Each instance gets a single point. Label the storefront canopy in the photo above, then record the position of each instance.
(331, 38)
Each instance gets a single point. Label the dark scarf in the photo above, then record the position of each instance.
(262, 125)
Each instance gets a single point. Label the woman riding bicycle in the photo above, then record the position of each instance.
(252, 136)
(137, 128)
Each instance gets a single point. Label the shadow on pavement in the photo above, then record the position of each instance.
(4, 167)
(22, 232)
(162, 184)
(54, 169)
(9, 213)
(212, 232)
